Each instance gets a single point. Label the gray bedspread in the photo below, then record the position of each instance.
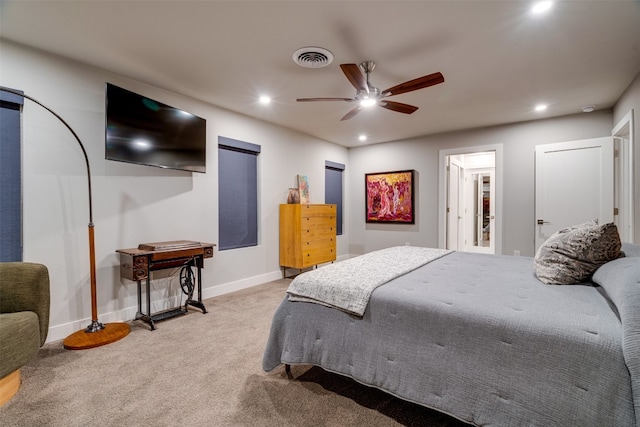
(478, 337)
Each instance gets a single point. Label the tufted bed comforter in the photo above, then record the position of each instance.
(481, 338)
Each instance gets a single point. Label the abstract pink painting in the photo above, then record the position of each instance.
(389, 197)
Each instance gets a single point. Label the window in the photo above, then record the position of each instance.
(10, 178)
(237, 193)
(333, 189)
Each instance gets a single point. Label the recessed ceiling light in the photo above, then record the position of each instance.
(541, 7)
(264, 99)
(541, 107)
(362, 137)
(588, 108)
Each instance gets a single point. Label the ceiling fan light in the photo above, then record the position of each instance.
(368, 102)
(541, 7)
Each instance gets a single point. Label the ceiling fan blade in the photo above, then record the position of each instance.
(351, 113)
(355, 76)
(415, 84)
(398, 106)
(324, 99)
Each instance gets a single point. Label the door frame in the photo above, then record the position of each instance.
(623, 187)
(443, 188)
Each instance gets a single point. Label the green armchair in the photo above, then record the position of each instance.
(24, 320)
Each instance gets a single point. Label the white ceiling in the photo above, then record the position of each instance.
(498, 60)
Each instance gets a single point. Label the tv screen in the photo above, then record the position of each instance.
(147, 132)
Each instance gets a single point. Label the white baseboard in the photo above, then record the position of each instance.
(238, 285)
(60, 332)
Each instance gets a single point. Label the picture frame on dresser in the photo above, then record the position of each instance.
(303, 189)
(389, 197)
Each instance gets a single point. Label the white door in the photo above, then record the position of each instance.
(453, 199)
(574, 184)
(480, 215)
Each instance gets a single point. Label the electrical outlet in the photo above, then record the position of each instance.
(516, 252)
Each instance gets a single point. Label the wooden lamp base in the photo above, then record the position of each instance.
(83, 340)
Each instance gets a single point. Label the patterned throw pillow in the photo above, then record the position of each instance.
(573, 254)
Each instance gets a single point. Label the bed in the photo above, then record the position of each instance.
(481, 338)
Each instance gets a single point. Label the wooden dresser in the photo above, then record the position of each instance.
(307, 235)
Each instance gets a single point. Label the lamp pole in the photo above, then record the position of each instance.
(96, 334)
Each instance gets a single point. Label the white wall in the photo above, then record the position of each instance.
(421, 154)
(133, 204)
(630, 100)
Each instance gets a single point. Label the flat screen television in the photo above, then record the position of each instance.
(147, 132)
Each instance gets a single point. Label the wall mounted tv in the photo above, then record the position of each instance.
(147, 132)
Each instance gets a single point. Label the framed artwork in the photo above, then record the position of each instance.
(303, 188)
(389, 197)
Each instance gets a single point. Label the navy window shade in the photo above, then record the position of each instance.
(237, 193)
(10, 178)
(333, 190)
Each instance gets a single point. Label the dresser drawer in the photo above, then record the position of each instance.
(317, 233)
(318, 222)
(317, 211)
(312, 245)
(318, 256)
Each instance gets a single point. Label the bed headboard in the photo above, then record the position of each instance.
(630, 249)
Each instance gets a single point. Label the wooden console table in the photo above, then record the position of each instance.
(137, 264)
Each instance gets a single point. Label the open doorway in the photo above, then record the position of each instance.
(470, 189)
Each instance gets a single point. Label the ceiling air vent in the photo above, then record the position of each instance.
(312, 57)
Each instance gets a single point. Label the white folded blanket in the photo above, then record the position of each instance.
(347, 285)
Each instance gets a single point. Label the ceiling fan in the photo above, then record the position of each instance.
(368, 95)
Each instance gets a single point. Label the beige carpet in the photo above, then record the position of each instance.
(198, 370)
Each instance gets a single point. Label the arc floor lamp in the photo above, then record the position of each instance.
(96, 334)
